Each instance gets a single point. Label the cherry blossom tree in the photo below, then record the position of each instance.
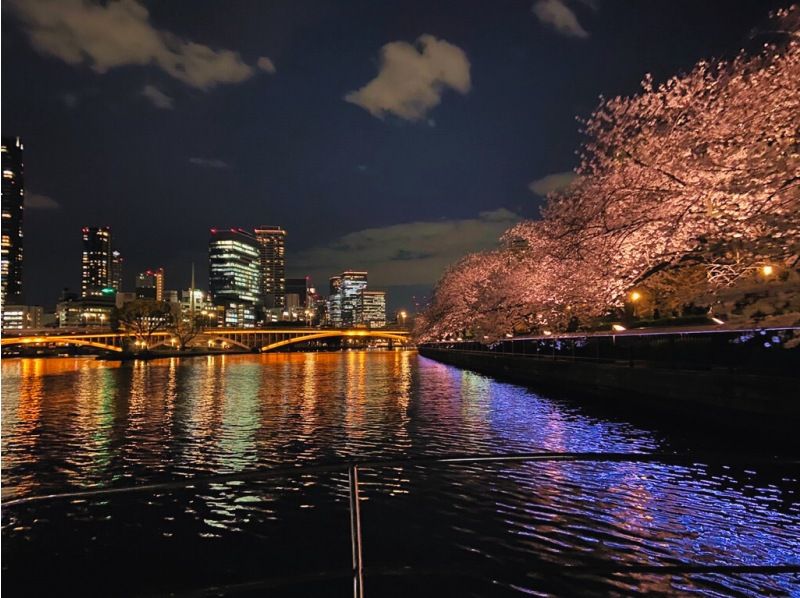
(696, 176)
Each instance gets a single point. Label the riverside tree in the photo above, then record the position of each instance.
(141, 319)
(698, 176)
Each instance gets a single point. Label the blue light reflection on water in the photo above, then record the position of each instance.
(76, 423)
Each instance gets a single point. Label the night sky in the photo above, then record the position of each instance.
(162, 119)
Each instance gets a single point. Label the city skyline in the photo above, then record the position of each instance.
(295, 138)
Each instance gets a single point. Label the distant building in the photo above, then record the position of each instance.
(124, 297)
(150, 284)
(22, 317)
(334, 303)
(272, 255)
(234, 264)
(371, 309)
(84, 313)
(116, 270)
(13, 197)
(96, 281)
(296, 293)
(353, 282)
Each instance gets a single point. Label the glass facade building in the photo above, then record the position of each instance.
(13, 197)
(234, 277)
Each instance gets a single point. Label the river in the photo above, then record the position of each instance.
(458, 529)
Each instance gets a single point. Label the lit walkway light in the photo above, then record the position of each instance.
(618, 327)
(767, 270)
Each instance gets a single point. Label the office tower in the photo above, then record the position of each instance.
(13, 197)
(352, 284)
(96, 263)
(272, 247)
(234, 274)
(334, 303)
(150, 284)
(116, 270)
(371, 308)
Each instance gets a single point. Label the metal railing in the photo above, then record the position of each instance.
(352, 467)
(752, 349)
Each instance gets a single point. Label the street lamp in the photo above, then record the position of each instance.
(402, 318)
(767, 270)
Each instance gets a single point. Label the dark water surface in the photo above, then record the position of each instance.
(460, 530)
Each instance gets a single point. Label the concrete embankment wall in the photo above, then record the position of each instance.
(715, 394)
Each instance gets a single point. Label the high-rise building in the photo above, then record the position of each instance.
(371, 309)
(150, 284)
(96, 268)
(352, 284)
(234, 274)
(334, 304)
(343, 299)
(272, 247)
(13, 197)
(116, 270)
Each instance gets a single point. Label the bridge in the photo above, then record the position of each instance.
(244, 339)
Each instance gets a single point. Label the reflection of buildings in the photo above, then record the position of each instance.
(13, 195)
(234, 275)
(272, 247)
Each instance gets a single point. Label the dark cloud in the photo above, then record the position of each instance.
(414, 253)
(403, 255)
(37, 201)
(209, 163)
(157, 97)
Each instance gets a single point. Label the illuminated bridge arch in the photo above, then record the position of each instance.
(98, 342)
(201, 339)
(336, 333)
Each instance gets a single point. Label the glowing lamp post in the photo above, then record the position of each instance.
(635, 297)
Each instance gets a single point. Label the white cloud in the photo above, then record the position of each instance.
(412, 78)
(406, 254)
(552, 182)
(209, 162)
(157, 97)
(559, 16)
(119, 33)
(266, 65)
(37, 201)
